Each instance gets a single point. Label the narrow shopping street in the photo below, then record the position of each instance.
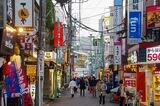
(88, 100)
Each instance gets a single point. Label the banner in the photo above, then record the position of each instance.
(24, 13)
(58, 34)
(135, 16)
(23, 82)
(11, 80)
(153, 17)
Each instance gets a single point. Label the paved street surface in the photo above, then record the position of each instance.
(66, 100)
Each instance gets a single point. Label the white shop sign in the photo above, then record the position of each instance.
(153, 55)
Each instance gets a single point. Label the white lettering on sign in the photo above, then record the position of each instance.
(133, 22)
(10, 9)
(8, 44)
(135, 5)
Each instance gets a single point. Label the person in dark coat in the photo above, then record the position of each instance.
(82, 87)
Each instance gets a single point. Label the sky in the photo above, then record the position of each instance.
(91, 12)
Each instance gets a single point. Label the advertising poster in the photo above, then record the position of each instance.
(153, 17)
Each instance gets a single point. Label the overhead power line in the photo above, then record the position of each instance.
(93, 30)
(108, 11)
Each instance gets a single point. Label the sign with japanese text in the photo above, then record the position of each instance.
(58, 34)
(26, 42)
(10, 13)
(7, 42)
(135, 16)
(153, 14)
(117, 54)
(117, 50)
(153, 55)
(135, 5)
(11, 80)
(24, 13)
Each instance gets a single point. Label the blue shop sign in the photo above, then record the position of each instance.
(135, 24)
(118, 2)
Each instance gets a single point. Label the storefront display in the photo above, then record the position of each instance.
(156, 85)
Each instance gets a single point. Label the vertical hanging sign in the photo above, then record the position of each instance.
(135, 17)
(117, 17)
(58, 34)
(117, 51)
(24, 13)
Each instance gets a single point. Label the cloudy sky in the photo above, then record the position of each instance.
(91, 12)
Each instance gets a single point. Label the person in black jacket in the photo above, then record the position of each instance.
(82, 87)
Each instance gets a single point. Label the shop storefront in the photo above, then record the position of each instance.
(147, 71)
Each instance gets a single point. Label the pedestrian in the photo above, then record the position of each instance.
(72, 86)
(94, 82)
(122, 93)
(82, 87)
(101, 87)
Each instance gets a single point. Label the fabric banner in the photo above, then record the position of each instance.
(27, 100)
(11, 80)
(58, 34)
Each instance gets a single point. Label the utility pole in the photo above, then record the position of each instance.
(40, 54)
(70, 35)
(102, 46)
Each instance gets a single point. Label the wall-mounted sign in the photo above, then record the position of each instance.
(48, 56)
(153, 14)
(24, 13)
(7, 43)
(153, 55)
(26, 42)
(10, 12)
(135, 21)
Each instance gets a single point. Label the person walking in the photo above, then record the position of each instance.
(82, 87)
(121, 90)
(101, 87)
(72, 86)
(94, 82)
